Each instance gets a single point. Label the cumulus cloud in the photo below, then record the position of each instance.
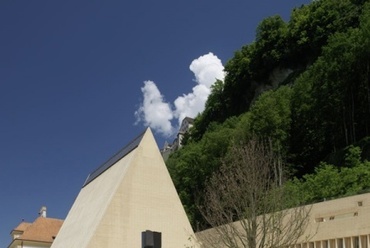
(154, 111)
(158, 114)
(207, 69)
(191, 104)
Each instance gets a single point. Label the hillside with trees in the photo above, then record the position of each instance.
(304, 85)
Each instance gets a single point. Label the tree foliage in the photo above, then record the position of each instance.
(215, 111)
(311, 25)
(269, 47)
(323, 107)
(191, 166)
(334, 95)
(270, 116)
(329, 181)
(295, 44)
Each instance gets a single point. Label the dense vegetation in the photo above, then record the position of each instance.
(305, 84)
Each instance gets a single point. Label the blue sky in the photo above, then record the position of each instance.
(72, 77)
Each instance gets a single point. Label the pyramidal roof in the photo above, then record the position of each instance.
(122, 153)
(132, 192)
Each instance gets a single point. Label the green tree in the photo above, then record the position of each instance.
(214, 111)
(353, 156)
(311, 25)
(270, 116)
(239, 88)
(269, 49)
(329, 181)
(305, 143)
(333, 94)
(191, 166)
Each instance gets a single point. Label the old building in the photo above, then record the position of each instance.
(168, 148)
(38, 234)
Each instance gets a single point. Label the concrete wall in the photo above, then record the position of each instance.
(340, 223)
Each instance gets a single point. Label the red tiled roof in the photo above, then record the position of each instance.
(42, 229)
(23, 226)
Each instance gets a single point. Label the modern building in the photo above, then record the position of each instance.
(339, 223)
(39, 234)
(131, 193)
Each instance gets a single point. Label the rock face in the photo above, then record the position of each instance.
(277, 77)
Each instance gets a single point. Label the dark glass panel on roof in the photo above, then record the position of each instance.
(122, 153)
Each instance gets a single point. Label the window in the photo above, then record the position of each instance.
(325, 244)
(339, 243)
(347, 242)
(320, 219)
(332, 243)
(356, 242)
(364, 241)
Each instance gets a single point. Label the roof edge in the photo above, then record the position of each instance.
(114, 159)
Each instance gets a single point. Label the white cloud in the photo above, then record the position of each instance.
(154, 111)
(157, 114)
(207, 69)
(191, 104)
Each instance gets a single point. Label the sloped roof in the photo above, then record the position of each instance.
(122, 153)
(188, 119)
(41, 230)
(22, 227)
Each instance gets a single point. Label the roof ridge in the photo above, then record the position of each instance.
(50, 218)
(112, 160)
